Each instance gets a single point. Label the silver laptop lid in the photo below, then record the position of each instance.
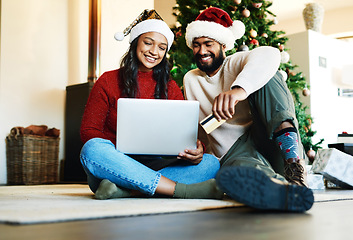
(156, 127)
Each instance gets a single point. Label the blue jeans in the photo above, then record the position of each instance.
(101, 160)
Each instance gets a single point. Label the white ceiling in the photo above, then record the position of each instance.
(287, 9)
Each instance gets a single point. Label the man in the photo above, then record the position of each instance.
(260, 132)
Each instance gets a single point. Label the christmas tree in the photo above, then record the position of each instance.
(258, 21)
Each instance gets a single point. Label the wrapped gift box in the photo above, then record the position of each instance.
(345, 138)
(316, 181)
(335, 166)
(344, 147)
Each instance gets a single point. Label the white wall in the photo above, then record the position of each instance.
(77, 28)
(335, 21)
(116, 16)
(34, 66)
(44, 48)
(165, 9)
(331, 113)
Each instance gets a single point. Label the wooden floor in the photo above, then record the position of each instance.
(325, 220)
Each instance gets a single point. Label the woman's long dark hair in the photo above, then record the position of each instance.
(129, 69)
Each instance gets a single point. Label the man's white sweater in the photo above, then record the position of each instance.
(249, 70)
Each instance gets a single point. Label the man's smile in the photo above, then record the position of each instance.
(205, 58)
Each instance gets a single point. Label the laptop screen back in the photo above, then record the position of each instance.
(156, 127)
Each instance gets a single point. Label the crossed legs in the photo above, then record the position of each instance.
(112, 174)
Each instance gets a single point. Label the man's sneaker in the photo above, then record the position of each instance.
(294, 172)
(255, 189)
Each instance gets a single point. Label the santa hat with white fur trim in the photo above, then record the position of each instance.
(215, 23)
(147, 21)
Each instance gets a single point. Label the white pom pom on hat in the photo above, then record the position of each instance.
(238, 29)
(119, 36)
(215, 23)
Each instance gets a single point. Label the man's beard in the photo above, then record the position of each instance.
(216, 63)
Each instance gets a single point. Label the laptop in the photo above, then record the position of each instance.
(156, 127)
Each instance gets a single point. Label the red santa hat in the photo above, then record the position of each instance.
(216, 24)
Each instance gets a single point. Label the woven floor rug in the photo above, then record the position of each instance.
(70, 202)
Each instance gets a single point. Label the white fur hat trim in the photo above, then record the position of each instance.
(218, 32)
(152, 25)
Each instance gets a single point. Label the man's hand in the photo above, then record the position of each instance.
(224, 103)
(193, 155)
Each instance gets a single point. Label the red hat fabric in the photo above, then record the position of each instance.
(216, 15)
(215, 23)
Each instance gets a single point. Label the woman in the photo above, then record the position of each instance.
(144, 73)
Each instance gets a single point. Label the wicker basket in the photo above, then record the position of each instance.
(32, 159)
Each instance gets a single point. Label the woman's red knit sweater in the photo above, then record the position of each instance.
(99, 118)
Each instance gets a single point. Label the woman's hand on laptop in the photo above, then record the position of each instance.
(193, 155)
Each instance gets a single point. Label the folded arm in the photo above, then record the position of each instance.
(257, 68)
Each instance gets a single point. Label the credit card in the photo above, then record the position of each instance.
(210, 123)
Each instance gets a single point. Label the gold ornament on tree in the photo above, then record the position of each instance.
(253, 33)
(306, 129)
(284, 57)
(306, 92)
(246, 13)
(237, 2)
(311, 155)
(290, 73)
